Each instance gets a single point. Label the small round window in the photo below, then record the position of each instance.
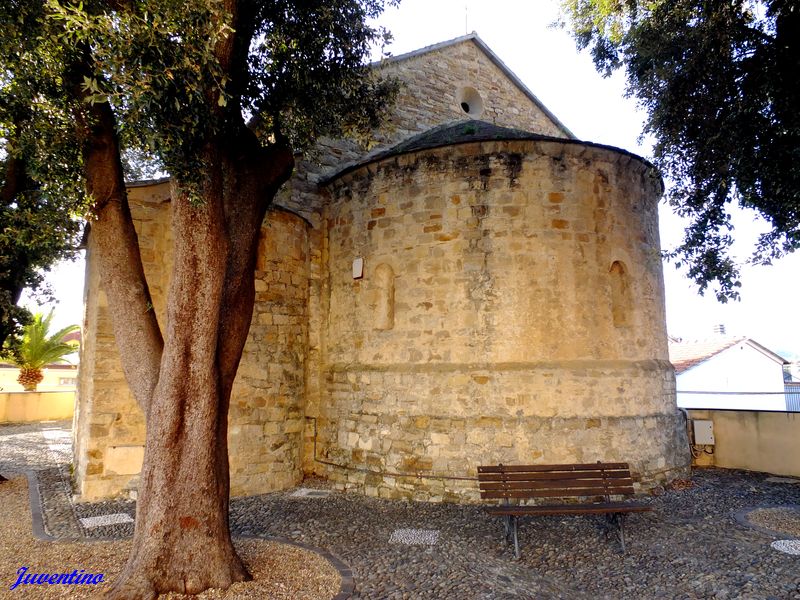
(469, 101)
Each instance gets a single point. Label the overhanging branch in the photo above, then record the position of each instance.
(114, 238)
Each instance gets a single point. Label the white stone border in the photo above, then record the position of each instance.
(787, 546)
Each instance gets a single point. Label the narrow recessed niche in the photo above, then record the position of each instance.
(470, 101)
(621, 305)
(384, 297)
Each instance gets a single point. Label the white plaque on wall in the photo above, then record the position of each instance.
(358, 268)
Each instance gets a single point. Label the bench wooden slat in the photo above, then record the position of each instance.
(575, 509)
(556, 492)
(535, 468)
(587, 493)
(530, 476)
(566, 485)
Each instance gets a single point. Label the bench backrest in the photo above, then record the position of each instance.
(555, 481)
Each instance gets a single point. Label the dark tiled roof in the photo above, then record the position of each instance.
(48, 366)
(464, 132)
(74, 336)
(459, 133)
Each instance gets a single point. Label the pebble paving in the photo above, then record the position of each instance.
(690, 546)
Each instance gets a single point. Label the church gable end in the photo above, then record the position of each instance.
(463, 79)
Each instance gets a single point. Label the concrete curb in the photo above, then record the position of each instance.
(346, 588)
(740, 516)
(37, 514)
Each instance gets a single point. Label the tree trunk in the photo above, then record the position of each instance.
(183, 380)
(182, 542)
(182, 539)
(136, 329)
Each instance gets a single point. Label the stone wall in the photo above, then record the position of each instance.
(429, 96)
(265, 420)
(528, 318)
(511, 309)
(266, 416)
(431, 89)
(436, 83)
(108, 430)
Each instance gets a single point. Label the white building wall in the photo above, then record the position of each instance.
(752, 380)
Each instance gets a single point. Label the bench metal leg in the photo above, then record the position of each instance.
(514, 520)
(510, 523)
(616, 522)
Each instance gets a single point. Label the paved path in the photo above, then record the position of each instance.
(35, 446)
(46, 449)
(690, 546)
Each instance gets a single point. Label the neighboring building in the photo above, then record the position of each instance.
(793, 371)
(57, 378)
(474, 291)
(792, 389)
(728, 373)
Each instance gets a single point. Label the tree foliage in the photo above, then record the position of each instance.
(298, 68)
(295, 71)
(40, 347)
(40, 185)
(718, 80)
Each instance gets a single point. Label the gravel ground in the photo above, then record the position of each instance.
(19, 549)
(689, 547)
(780, 520)
(280, 571)
(24, 445)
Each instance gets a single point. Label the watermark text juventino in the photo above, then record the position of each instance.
(77, 577)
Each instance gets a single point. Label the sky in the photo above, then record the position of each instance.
(594, 109)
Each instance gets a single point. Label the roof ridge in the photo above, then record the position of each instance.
(716, 338)
(426, 49)
(708, 348)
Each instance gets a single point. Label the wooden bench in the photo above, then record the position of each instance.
(589, 487)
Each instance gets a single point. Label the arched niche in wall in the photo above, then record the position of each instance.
(383, 282)
(621, 305)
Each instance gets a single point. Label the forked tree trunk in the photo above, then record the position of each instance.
(182, 539)
(183, 384)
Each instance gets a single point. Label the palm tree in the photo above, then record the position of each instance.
(38, 349)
